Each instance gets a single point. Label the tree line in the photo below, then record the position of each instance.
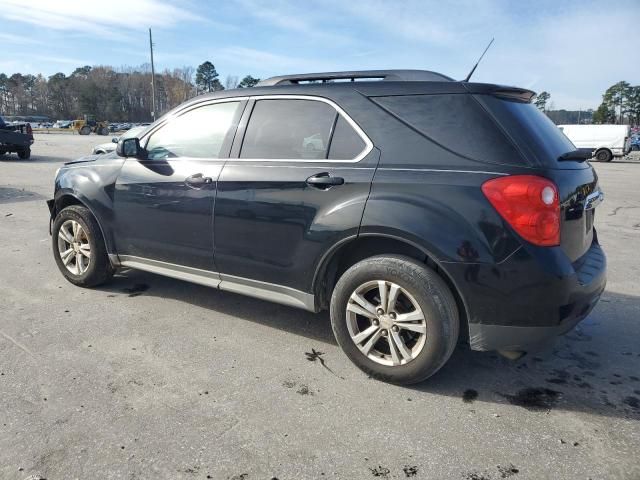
(110, 94)
(620, 105)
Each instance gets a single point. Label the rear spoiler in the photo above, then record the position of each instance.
(502, 91)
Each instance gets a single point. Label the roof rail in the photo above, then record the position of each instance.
(386, 75)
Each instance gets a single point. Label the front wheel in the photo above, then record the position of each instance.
(79, 249)
(395, 318)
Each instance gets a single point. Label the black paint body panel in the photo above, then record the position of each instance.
(260, 220)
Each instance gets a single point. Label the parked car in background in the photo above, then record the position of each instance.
(111, 146)
(16, 137)
(635, 143)
(606, 141)
(360, 197)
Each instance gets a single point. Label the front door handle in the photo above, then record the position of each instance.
(324, 181)
(197, 180)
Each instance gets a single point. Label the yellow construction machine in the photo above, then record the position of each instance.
(88, 124)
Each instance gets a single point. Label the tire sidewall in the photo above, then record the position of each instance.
(427, 293)
(72, 214)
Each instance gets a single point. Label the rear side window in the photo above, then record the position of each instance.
(345, 143)
(532, 130)
(288, 129)
(456, 122)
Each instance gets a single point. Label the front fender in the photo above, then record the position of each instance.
(92, 185)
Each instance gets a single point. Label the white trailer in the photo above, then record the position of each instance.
(607, 141)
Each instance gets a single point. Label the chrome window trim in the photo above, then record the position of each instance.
(368, 143)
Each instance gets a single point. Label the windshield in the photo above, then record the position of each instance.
(534, 133)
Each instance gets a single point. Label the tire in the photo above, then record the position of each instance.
(604, 155)
(86, 130)
(99, 269)
(24, 154)
(420, 287)
(104, 131)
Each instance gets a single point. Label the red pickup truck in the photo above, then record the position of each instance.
(16, 138)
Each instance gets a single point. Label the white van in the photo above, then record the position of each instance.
(607, 141)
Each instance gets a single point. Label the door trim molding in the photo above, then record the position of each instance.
(253, 288)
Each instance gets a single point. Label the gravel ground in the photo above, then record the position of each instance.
(150, 377)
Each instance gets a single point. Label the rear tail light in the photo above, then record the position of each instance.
(529, 204)
(29, 129)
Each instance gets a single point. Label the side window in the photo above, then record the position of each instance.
(288, 129)
(346, 144)
(198, 133)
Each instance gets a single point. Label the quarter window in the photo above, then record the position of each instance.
(289, 129)
(345, 143)
(198, 133)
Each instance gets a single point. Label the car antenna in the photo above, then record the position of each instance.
(476, 65)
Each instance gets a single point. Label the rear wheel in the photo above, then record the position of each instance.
(604, 155)
(395, 319)
(24, 154)
(79, 249)
(103, 131)
(86, 130)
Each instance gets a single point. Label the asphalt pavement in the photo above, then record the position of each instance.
(154, 378)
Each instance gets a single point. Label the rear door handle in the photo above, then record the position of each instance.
(197, 180)
(324, 181)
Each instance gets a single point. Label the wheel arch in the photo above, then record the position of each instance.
(600, 149)
(66, 199)
(354, 249)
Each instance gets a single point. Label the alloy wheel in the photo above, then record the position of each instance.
(74, 247)
(386, 323)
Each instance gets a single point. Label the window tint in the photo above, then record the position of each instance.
(531, 129)
(296, 129)
(456, 122)
(346, 144)
(198, 133)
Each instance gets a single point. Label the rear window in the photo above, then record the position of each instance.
(456, 122)
(536, 135)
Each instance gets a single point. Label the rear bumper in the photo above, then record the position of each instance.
(529, 299)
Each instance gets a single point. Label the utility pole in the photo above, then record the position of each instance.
(153, 81)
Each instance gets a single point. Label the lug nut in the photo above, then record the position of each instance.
(376, 322)
(384, 333)
(392, 316)
(395, 328)
(380, 311)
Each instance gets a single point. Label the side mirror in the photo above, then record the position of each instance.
(115, 139)
(130, 147)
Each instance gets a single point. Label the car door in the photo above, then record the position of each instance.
(295, 184)
(163, 205)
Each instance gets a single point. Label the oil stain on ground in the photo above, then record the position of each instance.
(315, 355)
(136, 290)
(506, 472)
(469, 395)
(534, 399)
(380, 471)
(410, 471)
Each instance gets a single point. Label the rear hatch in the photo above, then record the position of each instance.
(547, 150)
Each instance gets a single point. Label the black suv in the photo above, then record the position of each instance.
(416, 208)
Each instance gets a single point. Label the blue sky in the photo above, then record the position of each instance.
(573, 49)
